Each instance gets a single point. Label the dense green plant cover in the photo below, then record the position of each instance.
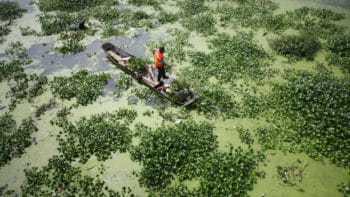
(190, 8)
(71, 5)
(10, 11)
(26, 87)
(139, 3)
(202, 23)
(100, 135)
(170, 151)
(167, 17)
(310, 113)
(60, 178)
(296, 47)
(82, 86)
(230, 173)
(233, 57)
(71, 42)
(4, 31)
(245, 136)
(276, 23)
(16, 50)
(14, 139)
(124, 83)
(138, 64)
(58, 22)
(317, 21)
(27, 31)
(250, 13)
(8, 70)
(339, 46)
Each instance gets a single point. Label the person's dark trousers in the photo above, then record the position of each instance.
(161, 73)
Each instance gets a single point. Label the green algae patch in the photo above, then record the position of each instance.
(15, 139)
(9, 11)
(82, 86)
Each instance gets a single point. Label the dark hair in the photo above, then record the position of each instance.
(161, 49)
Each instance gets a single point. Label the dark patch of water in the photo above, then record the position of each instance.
(92, 57)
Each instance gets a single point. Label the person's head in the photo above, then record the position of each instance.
(162, 49)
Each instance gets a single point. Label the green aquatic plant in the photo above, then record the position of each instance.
(71, 6)
(10, 69)
(71, 42)
(138, 64)
(230, 173)
(245, 136)
(60, 178)
(310, 114)
(124, 83)
(296, 47)
(202, 23)
(317, 21)
(10, 11)
(5, 191)
(81, 85)
(4, 31)
(57, 23)
(26, 87)
(344, 188)
(170, 151)
(339, 46)
(16, 50)
(15, 139)
(251, 13)
(167, 17)
(190, 8)
(27, 31)
(100, 135)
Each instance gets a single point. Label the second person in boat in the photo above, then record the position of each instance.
(159, 62)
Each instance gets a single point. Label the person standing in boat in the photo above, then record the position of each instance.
(159, 62)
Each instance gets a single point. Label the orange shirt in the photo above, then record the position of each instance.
(158, 56)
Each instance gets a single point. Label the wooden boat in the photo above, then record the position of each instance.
(168, 88)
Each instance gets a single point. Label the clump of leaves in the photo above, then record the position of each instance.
(71, 6)
(252, 13)
(60, 178)
(59, 22)
(71, 42)
(245, 136)
(292, 174)
(139, 3)
(339, 46)
(167, 17)
(8, 70)
(82, 86)
(27, 31)
(296, 47)
(5, 191)
(124, 83)
(190, 8)
(14, 139)
(27, 88)
(10, 11)
(100, 135)
(317, 21)
(171, 151)
(16, 50)
(137, 64)
(344, 188)
(233, 173)
(202, 23)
